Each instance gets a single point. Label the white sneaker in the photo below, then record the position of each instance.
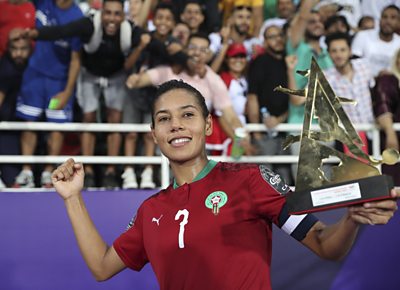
(129, 179)
(25, 179)
(45, 180)
(147, 179)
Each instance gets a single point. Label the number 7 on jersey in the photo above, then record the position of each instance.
(182, 224)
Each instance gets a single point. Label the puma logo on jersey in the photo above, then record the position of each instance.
(157, 220)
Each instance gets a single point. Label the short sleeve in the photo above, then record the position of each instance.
(220, 94)
(254, 76)
(130, 246)
(268, 192)
(76, 44)
(358, 43)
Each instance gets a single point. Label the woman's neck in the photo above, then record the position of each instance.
(186, 172)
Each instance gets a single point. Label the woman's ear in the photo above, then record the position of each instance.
(153, 135)
(209, 127)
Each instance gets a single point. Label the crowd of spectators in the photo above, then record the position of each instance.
(98, 61)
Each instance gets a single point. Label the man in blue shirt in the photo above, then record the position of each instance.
(48, 83)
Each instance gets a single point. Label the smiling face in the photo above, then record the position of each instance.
(237, 63)
(193, 16)
(112, 16)
(198, 50)
(179, 126)
(164, 21)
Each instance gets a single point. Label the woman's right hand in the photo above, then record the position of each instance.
(68, 179)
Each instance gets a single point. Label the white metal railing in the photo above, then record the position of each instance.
(160, 160)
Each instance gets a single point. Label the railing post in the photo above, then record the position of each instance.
(164, 171)
(376, 145)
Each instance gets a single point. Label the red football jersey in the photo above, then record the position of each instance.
(214, 233)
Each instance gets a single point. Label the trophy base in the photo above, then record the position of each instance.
(340, 194)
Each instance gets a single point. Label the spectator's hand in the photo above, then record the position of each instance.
(271, 122)
(28, 33)
(249, 149)
(257, 135)
(145, 39)
(291, 62)
(174, 47)
(132, 81)
(225, 32)
(62, 98)
(374, 213)
(68, 179)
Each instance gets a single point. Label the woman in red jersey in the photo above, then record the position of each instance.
(211, 228)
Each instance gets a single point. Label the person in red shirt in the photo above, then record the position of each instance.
(14, 14)
(234, 78)
(211, 228)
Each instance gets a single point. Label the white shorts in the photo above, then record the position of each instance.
(91, 87)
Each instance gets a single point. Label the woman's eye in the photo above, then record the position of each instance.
(188, 114)
(163, 119)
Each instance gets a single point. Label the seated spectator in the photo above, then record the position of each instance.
(48, 85)
(12, 66)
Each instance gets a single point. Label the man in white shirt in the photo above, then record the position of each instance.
(379, 46)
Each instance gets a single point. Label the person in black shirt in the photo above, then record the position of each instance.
(265, 105)
(139, 101)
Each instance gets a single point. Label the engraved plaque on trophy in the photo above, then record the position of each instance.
(356, 179)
